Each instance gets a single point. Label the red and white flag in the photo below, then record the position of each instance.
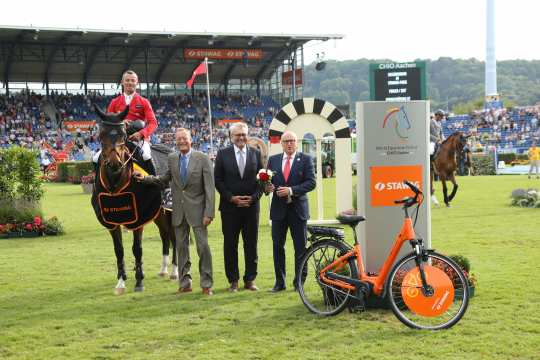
(199, 70)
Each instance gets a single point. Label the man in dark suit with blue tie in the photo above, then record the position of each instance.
(293, 178)
(235, 174)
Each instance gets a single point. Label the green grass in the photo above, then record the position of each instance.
(57, 302)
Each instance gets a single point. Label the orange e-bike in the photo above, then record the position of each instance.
(424, 289)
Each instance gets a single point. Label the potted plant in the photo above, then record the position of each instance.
(87, 182)
(53, 226)
(465, 266)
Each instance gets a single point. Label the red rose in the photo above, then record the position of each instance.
(37, 221)
(264, 176)
(28, 227)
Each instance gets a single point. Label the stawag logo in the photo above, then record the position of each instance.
(386, 183)
(389, 186)
(400, 120)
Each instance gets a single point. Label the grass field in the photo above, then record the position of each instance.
(57, 302)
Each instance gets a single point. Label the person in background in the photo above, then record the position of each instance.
(534, 158)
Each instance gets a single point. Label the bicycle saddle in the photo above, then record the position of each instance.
(326, 230)
(351, 220)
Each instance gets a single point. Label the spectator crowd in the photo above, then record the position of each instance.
(32, 121)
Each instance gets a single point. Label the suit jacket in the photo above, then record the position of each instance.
(228, 180)
(301, 180)
(194, 199)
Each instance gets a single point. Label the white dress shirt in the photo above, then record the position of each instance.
(237, 155)
(128, 98)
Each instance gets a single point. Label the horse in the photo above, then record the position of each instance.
(444, 164)
(115, 199)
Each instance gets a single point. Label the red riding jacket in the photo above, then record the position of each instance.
(139, 109)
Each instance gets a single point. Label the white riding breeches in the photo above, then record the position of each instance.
(431, 148)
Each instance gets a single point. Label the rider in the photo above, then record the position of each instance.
(139, 109)
(436, 136)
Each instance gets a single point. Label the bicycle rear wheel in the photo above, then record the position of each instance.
(318, 297)
(442, 307)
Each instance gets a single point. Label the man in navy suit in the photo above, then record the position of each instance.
(235, 173)
(293, 178)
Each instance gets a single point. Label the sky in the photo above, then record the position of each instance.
(383, 29)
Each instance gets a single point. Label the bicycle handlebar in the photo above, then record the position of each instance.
(410, 201)
(412, 187)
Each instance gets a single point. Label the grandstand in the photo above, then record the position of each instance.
(52, 76)
(508, 131)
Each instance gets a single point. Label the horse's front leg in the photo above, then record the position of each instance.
(445, 191)
(454, 188)
(137, 253)
(116, 235)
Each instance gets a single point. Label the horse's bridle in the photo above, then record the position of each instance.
(123, 143)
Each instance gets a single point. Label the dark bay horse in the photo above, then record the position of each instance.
(115, 199)
(444, 165)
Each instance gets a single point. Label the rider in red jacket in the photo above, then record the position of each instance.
(139, 109)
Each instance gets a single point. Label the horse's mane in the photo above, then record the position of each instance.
(457, 133)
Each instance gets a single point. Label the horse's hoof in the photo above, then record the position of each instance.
(163, 274)
(173, 277)
(119, 291)
(448, 205)
(138, 288)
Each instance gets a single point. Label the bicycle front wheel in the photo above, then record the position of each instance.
(319, 297)
(444, 302)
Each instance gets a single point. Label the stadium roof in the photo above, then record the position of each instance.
(30, 54)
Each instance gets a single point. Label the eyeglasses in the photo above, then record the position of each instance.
(240, 135)
(288, 141)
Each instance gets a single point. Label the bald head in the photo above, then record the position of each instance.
(289, 142)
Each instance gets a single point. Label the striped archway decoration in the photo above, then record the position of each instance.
(308, 106)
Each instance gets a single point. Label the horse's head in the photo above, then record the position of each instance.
(112, 135)
(459, 140)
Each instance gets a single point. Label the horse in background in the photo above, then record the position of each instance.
(444, 165)
(118, 200)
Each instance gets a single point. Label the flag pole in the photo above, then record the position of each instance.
(211, 152)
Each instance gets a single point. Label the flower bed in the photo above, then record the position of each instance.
(38, 227)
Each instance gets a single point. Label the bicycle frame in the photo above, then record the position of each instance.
(405, 234)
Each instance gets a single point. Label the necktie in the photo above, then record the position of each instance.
(241, 163)
(287, 168)
(183, 168)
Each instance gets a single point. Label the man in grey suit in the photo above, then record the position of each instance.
(192, 185)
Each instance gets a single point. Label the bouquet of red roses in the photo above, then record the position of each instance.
(264, 177)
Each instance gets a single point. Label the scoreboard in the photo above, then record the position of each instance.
(397, 81)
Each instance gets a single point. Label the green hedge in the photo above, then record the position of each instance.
(508, 158)
(483, 164)
(71, 171)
